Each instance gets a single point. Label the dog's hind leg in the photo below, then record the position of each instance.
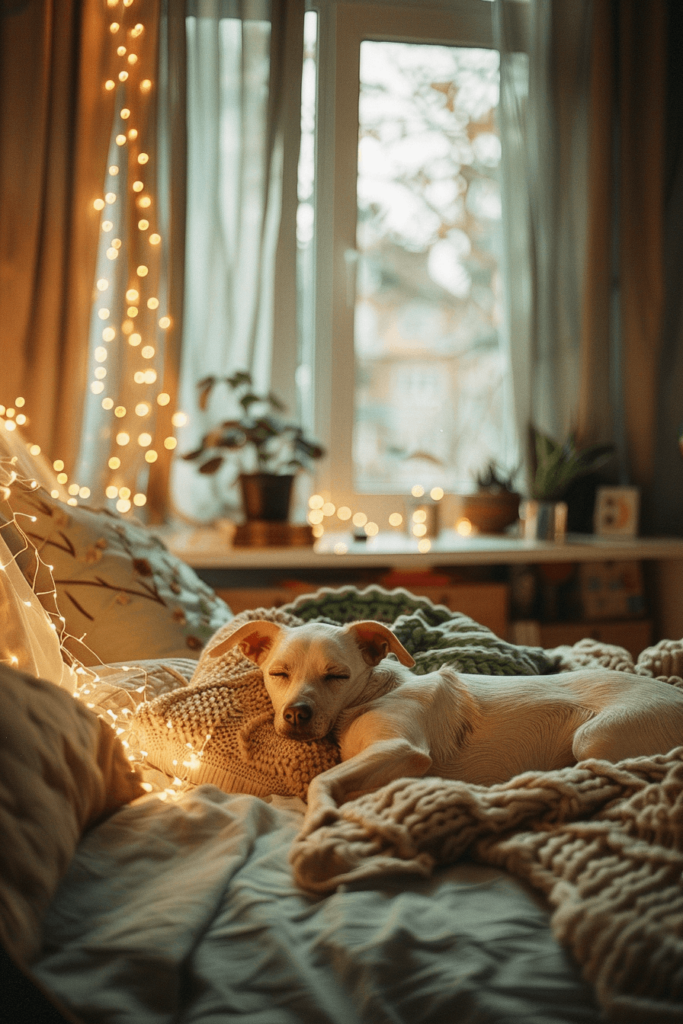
(650, 724)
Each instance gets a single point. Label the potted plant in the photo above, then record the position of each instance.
(558, 466)
(495, 504)
(266, 450)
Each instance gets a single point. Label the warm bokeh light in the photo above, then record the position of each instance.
(395, 519)
(463, 526)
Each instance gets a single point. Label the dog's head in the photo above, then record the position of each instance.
(312, 672)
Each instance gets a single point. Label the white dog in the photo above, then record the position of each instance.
(390, 723)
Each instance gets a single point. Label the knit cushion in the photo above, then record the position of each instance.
(118, 587)
(220, 729)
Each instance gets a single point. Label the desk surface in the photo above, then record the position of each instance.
(208, 548)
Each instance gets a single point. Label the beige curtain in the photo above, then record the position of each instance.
(544, 105)
(623, 282)
(583, 157)
(54, 127)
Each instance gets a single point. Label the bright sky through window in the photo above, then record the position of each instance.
(430, 370)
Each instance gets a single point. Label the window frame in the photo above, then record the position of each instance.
(342, 26)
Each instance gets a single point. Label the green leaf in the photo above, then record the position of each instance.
(205, 387)
(239, 379)
(276, 403)
(212, 465)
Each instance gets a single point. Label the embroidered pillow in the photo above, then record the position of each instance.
(122, 593)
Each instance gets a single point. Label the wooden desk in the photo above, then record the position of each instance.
(208, 551)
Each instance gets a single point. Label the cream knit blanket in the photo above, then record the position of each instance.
(603, 842)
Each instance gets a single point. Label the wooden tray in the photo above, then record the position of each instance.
(260, 533)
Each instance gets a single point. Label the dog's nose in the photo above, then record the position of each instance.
(297, 714)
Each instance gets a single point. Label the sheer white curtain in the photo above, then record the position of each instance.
(243, 92)
(545, 77)
(137, 290)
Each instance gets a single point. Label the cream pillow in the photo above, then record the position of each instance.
(118, 587)
(61, 769)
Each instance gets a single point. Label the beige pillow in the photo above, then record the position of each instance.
(61, 769)
(118, 587)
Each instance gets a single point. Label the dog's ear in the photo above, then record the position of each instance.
(254, 640)
(376, 641)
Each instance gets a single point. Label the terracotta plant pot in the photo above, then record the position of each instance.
(489, 512)
(266, 496)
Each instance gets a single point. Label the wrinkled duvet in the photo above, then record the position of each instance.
(186, 912)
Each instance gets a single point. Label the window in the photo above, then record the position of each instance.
(411, 376)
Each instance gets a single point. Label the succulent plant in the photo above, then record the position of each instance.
(560, 463)
(496, 480)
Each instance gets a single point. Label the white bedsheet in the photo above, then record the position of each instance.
(185, 913)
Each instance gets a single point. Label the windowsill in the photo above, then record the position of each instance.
(208, 548)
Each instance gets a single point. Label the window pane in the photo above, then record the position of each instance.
(430, 371)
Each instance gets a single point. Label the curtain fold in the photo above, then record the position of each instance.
(624, 275)
(667, 491)
(544, 48)
(244, 101)
(137, 285)
(54, 125)
(584, 166)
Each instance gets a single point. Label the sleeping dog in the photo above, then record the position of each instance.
(390, 723)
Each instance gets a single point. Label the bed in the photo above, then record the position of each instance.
(143, 880)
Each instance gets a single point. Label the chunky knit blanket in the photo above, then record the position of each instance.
(603, 842)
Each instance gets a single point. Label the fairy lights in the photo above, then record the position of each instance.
(321, 509)
(88, 685)
(126, 358)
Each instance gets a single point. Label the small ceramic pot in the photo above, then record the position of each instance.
(488, 512)
(266, 496)
(543, 520)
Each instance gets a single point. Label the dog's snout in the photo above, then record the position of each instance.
(298, 714)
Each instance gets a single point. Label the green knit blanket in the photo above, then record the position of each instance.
(433, 634)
